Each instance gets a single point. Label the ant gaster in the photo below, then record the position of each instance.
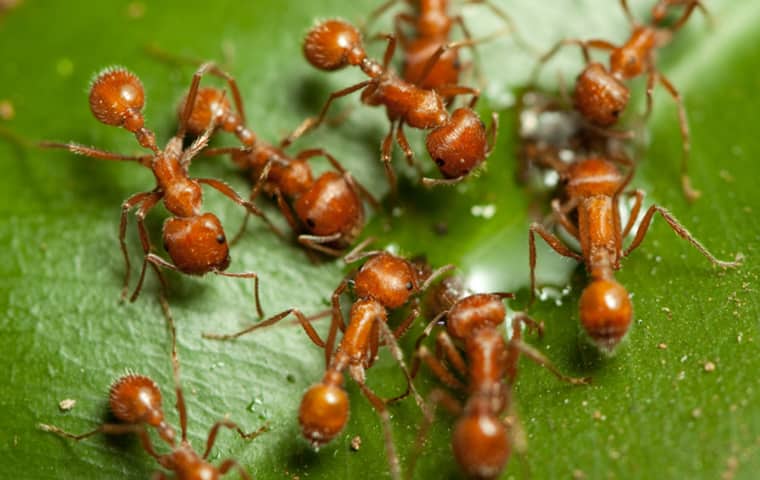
(329, 209)
(384, 282)
(195, 241)
(135, 400)
(458, 141)
(601, 94)
(473, 348)
(593, 189)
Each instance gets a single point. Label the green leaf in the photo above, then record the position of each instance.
(651, 413)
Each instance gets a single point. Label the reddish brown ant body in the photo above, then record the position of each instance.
(385, 282)
(135, 400)
(473, 348)
(593, 187)
(601, 94)
(329, 208)
(195, 241)
(458, 141)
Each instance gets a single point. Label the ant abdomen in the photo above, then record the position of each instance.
(459, 145)
(330, 206)
(323, 412)
(599, 96)
(117, 98)
(481, 444)
(606, 312)
(332, 45)
(196, 245)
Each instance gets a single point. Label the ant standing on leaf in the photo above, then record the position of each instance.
(385, 282)
(135, 400)
(601, 94)
(473, 348)
(195, 241)
(329, 209)
(593, 187)
(458, 142)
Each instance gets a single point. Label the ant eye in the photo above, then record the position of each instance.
(616, 113)
(220, 239)
(439, 162)
(310, 223)
(409, 285)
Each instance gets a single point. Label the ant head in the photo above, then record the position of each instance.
(599, 96)
(211, 106)
(333, 44)
(331, 206)
(196, 245)
(433, 20)
(323, 412)
(473, 312)
(459, 145)
(593, 176)
(605, 311)
(117, 98)
(137, 399)
(389, 279)
(491, 437)
(294, 179)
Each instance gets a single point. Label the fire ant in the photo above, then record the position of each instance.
(135, 400)
(473, 348)
(458, 141)
(384, 282)
(593, 187)
(329, 208)
(601, 94)
(431, 24)
(195, 241)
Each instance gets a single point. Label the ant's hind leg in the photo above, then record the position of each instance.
(211, 439)
(556, 245)
(229, 464)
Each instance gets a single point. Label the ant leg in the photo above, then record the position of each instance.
(406, 148)
(229, 464)
(228, 192)
(454, 90)
(211, 439)
(628, 15)
(382, 411)
(689, 192)
(407, 323)
(336, 322)
(311, 122)
(513, 353)
(687, 13)
(585, 46)
(144, 160)
(260, 181)
(255, 278)
(305, 323)
(126, 206)
(360, 189)
(542, 361)
(435, 275)
(635, 210)
(195, 148)
(374, 14)
(386, 157)
(398, 355)
(556, 245)
(560, 214)
(316, 242)
(142, 212)
(358, 253)
(681, 232)
(106, 429)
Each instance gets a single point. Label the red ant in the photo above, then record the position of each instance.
(384, 282)
(135, 400)
(601, 94)
(195, 241)
(593, 187)
(431, 22)
(458, 141)
(329, 208)
(482, 439)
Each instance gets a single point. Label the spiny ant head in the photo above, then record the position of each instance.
(333, 44)
(474, 312)
(593, 176)
(211, 105)
(606, 313)
(389, 279)
(331, 206)
(459, 145)
(137, 399)
(599, 96)
(117, 98)
(196, 245)
(481, 444)
(323, 413)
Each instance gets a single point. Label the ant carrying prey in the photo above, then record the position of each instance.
(458, 142)
(195, 241)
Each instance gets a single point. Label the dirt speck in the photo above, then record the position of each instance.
(662, 346)
(578, 474)
(709, 367)
(67, 404)
(7, 112)
(356, 443)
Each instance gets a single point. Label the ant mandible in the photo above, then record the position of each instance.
(473, 348)
(384, 282)
(135, 400)
(329, 209)
(601, 94)
(458, 142)
(195, 241)
(593, 187)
